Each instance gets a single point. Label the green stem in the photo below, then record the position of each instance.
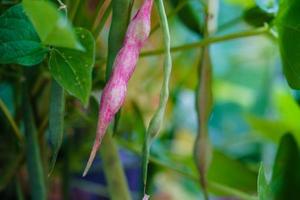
(19, 191)
(210, 40)
(65, 171)
(212, 186)
(116, 180)
(10, 119)
(101, 16)
(99, 26)
(156, 121)
(171, 14)
(74, 10)
(34, 162)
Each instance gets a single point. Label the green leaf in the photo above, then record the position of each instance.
(232, 173)
(285, 182)
(51, 25)
(72, 69)
(269, 129)
(288, 25)
(288, 112)
(19, 43)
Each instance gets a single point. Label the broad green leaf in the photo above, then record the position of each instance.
(72, 69)
(231, 173)
(56, 120)
(288, 25)
(269, 129)
(262, 185)
(51, 25)
(285, 182)
(288, 112)
(19, 43)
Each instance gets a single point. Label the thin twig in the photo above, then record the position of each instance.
(63, 6)
(157, 118)
(210, 40)
(171, 14)
(212, 185)
(10, 119)
(101, 16)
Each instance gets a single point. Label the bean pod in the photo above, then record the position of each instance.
(114, 93)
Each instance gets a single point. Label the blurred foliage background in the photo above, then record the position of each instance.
(253, 108)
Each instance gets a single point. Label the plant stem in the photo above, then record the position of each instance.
(210, 40)
(10, 119)
(101, 17)
(116, 180)
(212, 186)
(19, 191)
(74, 10)
(157, 118)
(103, 21)
(65, 171)
(171, 14)
(34, 162)
(63, 6)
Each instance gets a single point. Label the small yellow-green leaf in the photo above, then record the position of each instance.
(51, 25)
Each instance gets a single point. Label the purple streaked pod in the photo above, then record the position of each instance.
(114, 92)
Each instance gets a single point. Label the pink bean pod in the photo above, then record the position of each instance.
(114, 93)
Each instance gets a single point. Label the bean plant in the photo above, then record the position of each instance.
(149, 99)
